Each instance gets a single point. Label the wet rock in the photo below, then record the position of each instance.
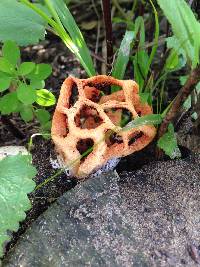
(150, 217)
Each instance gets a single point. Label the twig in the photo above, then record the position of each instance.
(99, 58)
(184, 92)
(108, 28)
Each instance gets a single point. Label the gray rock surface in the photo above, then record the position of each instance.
(147, 218)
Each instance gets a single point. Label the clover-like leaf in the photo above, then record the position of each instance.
(11, 52)
(42, 115)
(25, 68)
(4, 83)
(26, 113)
(6, 66)
(26, 94)
(16, 173)
(9, 103)
(41, 72)
(45, 98)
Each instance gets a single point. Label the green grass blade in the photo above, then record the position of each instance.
(157, 30)
(151, 119)
(70, 25)
(122, 57)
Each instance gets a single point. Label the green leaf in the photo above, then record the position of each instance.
(183, 79)
(26, 94)
(6, 66)
(26, 113)
(20, 24)
(11, 52)
(37, 84)
(122, 57)
(172, 61)
(145, 97)
(41, 72)
(9, 103)
(25, 68)
(42, 115)
(151, 119)
(45, 128)
(185, 27)
(16, 182)
(4, 83)
(168, 143)
(45, 98)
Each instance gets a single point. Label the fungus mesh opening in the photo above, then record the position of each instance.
(85, 147)
(74, 95)
(134, 137)
(112, 138)
(119, 116)
(104, 87)
(88, 118)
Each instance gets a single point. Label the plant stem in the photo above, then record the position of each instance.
(184, 92)
(108, 27)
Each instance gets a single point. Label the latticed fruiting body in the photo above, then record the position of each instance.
(88, 116)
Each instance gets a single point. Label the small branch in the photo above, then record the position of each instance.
(184, 92)
(108, 27)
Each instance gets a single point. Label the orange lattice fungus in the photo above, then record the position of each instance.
(88, 120)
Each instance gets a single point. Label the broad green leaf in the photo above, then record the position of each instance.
(26, 94)
(19, 23)
(185, 27)
(25, 68)
(42, 115)
(45, 98)
(168, 143)
(41, 72)
(11, 52)
(4, 83)
(173, 43)
(6, 66)
(151, 119)
(26, 113)
(9, 103)
(70, 25)
(172, 61)
(122, 57)
(16, 173)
